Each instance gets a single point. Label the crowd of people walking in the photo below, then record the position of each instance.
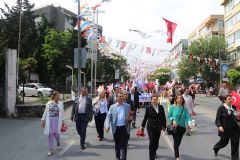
(116, 112)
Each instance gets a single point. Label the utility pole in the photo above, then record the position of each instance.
(79, 49)
(220, 65)
(95, 65)
(19, 39)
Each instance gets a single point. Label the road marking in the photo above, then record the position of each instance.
(66, 148)
(169, 143)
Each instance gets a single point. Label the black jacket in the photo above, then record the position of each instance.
(130, 102)
(156, 121)
(225, 120)
(89, 109)
(136, 99)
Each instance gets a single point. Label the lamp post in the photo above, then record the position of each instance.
(84, 78)
(96, 48)
(70, 67)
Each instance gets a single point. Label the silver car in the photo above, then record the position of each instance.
(35, 89)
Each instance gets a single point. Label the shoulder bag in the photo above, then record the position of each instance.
(170, 129)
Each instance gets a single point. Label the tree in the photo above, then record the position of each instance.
(56, 54)
(233, 76)
(204, 52)
(9, 29)
(27, 66)
(187, 69)
(162, 74)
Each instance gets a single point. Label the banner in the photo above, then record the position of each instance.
(224, 70)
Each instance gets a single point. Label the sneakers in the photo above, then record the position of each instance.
(215, 153)
(50, 153)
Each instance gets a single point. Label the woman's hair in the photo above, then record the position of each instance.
(175, 99)
(223, 98)
(54, 94)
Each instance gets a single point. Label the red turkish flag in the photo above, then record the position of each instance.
(123, 44)
(95, 7)
(171, 26)
(148, 50)
(235, 99)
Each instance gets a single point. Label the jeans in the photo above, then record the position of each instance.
(177, 138)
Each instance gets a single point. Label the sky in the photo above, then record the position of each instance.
(144, 15)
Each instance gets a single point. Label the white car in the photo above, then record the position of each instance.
(35, 89)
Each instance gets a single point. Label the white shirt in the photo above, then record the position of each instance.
(156, 108)
(120, 115)
(82, 104)
(188, 103)
(132, 97)
(103, 106)
(224, 91)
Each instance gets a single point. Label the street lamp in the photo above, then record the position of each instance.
(70, 67)
(84, 76)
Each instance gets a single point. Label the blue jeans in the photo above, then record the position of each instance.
(81, 126)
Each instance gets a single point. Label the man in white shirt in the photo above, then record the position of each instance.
(224, 91)
(118, 118)
(82, 113)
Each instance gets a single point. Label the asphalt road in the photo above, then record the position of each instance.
(23, 139)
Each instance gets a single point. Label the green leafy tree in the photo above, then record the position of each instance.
(9, 29)
(234, 76)
(27, 66)
(56, 54)
(211, 48)
(162, 74)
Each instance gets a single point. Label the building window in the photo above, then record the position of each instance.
(230, 40)
(232, 55)
(237, 53)
(220, 24)
(237, 35)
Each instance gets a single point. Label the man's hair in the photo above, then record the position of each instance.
(154, 95)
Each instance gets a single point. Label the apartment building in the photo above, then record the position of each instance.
(176, 53)
(62, 19)
(213, 25)
(232, 30)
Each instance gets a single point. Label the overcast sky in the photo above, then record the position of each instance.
(145, 15)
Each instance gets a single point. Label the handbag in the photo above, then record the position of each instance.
(170, 129)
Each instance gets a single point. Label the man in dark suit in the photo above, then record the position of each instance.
(134, 96)
(156, 121)
(82, 113)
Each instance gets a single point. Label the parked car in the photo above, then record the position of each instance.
(35, 89)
